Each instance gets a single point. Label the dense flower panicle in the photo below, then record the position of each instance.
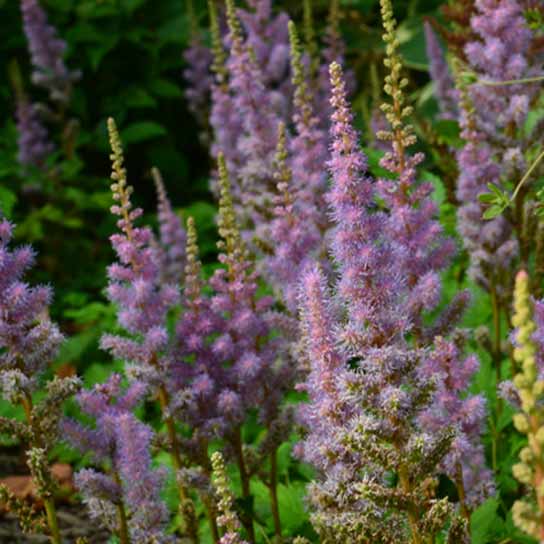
(369, 389)
(33, 138)
(466, 458)
(358, 228)
(197, 381)
(29, 340)
(444, 86)
(492, 120)
(333, 51)
(501, 54)
(47, 52)
(257, 376)
(120, 440)
(173, 238)
(253, 185)
(413, 222)
(135, 285)
(491, 244)
(267, 38)
(327, 409)
(294, 231)
(309, 144)
(199, 78)
(528, 513)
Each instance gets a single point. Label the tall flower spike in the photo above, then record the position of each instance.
(444, 87)
(228, 519)
(257, 374)
(310, 40)
(413, 214)
(143, 303)
(47, 52)
(33, 138)
(197, 73)
(172, 235)
(528, 514)
(309, 146)
(252, 182)
(125, 497)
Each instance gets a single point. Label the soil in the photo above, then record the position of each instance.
(74, 521)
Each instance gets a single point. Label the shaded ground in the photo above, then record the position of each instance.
(73, 519)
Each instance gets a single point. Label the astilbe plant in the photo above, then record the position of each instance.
(300, 220)
(493, 114)
(257, 373)
(173, 238)
(50, 72)
(29, 342)
(47, 51)
(371, 379)
(144, 302)
(528, 513)
(124, 494)
(444, 87)
(33, 140)
(228, 518)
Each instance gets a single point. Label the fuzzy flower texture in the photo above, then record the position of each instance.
(375, 406)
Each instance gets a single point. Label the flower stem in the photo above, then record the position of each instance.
(245, 518)
(124, 537)
(273, 487)
(52, 520)
(186, 508)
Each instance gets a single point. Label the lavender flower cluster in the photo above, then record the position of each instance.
(358, 318)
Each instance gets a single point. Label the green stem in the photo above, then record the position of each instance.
(246, 490)
(274, 495)
(461, 492)
(52, 520)
(488, 83)
(186, 508)
(527, 175)
(121, 516)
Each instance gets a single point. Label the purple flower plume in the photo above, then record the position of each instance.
(29, 340)
(47, 53)
(121, 441)
(444, 86)
(33, 138)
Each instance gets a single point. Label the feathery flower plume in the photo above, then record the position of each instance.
(225, 120)
(253, 186)
(172, 235)
(125, 497)
(257, 375)
(492, 121)
(29, 342)
(293, 230)
(444, 86)
(47, 52)
(197, 73)
(368, 386)
(33, 138)
(144, 302)
(528, 514)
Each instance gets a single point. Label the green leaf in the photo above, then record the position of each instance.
(8, 200)
(165, 88)
(140, 132)
(493, 211)
(485, 521)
